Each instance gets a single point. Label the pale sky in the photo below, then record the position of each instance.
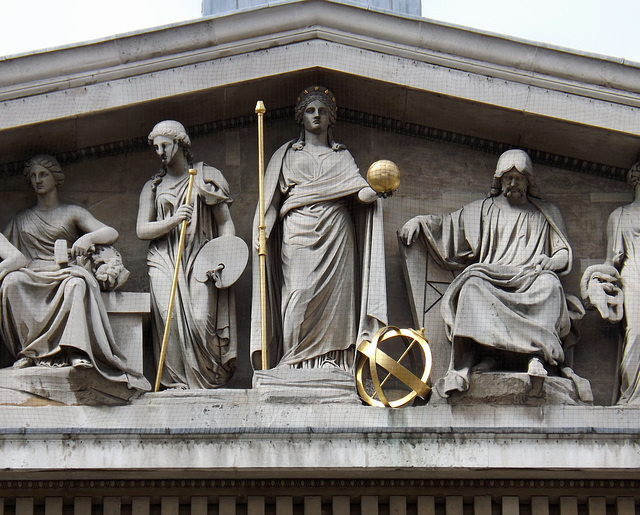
(595, 26)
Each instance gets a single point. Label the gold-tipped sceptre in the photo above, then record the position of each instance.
(183, 231)
(262, 237)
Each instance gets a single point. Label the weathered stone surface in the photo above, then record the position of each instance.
(306, 386)
(501, 388)
(41, 386)
(231, 433)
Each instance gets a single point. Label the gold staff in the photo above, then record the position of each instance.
(183, 232)
(262, 236)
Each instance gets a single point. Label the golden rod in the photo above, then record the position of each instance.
(262, 237)
(183, 231)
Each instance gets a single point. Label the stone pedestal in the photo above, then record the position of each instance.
(127, 312)
(306, 386)
(64, 386)
(517, 389)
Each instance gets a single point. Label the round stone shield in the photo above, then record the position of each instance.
(222, 260)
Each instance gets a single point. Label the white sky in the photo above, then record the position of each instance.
(596, 26)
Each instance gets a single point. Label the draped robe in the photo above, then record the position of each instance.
(325, 262)
(500, 300)
(624, 249)
(47, 310)
(202, 343)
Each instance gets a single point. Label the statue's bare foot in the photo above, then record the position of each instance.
(24, 363)
(79, 359)
(487, 364)
(81, 363)
(537, 374)
(536, 368)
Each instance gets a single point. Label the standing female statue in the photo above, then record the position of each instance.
(614, 287)
(53, 315)
(325, 248)
(201, 349)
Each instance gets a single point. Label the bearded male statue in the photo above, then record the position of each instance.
(507, 309)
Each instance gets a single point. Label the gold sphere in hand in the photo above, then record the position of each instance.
(384, 176)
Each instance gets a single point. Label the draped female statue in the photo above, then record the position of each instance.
(52, 311)
(201, 348)
(614, 286)
(326, 275)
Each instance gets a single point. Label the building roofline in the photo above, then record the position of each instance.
(429, 38)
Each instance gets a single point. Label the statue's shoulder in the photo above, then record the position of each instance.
(22, 213)
(547, 207)
(211, 174)
(477, 207)
(618, 212)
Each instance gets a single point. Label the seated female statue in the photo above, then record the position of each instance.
(52, 312)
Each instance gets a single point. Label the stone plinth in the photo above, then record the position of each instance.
(517, 389)
(306, 386)
(63, 386)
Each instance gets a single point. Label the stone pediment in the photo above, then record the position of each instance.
(440, 100)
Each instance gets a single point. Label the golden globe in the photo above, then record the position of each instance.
(384, 176)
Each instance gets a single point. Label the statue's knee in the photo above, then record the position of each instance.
(76, 285)
(12, 281)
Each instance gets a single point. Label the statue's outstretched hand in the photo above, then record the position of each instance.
(410, 231)
(214, 274)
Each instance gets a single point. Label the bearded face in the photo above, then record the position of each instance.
(514, 186)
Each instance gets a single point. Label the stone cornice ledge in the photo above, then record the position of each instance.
(231, 429)
(247, 31)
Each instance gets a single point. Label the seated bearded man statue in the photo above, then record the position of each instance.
(507, 309)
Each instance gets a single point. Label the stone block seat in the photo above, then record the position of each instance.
(42, 386)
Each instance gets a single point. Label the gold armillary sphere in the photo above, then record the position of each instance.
(384, 176)
(371, 357)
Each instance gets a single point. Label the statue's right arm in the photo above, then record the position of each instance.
(412, 228)
(270, 216)
(147, 227)
(272, 212)
(615, 243)
(12, 258)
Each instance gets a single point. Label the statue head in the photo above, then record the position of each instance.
(321, 94)
(176, 132)
(633, 175)
(515, 160)
(46, 161)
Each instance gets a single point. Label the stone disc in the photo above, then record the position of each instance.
(229, 251)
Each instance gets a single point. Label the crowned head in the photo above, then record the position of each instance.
(321, 94)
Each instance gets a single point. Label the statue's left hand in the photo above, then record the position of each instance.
(546, 262)
(410, 231)
(214, 274)
(81, 246)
